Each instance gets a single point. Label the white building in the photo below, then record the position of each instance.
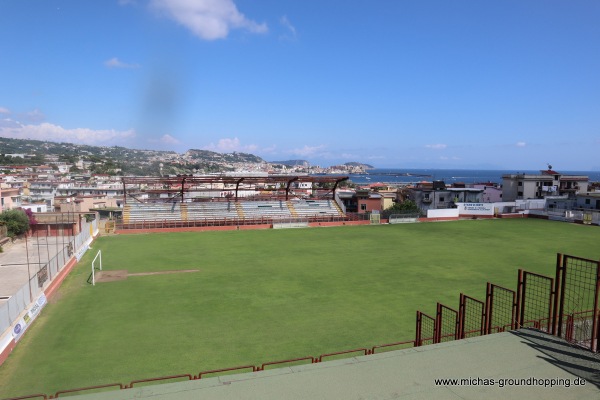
(547, 183)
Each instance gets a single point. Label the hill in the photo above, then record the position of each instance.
(292, 163)
(126, 161)
(122, 160)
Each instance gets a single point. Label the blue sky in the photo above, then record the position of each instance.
(506, 84)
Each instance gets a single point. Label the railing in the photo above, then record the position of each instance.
(217, 372)
(567, 306)
(218, 222)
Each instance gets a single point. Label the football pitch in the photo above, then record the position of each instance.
(267, 295)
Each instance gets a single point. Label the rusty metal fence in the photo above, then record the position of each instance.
(577, 317)
(426, 329)
(471, 317)
(536, 299)
(447, 324)
(501, 308)
(566, 306)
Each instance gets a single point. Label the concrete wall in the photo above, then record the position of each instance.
(469, 209)
(443, 213)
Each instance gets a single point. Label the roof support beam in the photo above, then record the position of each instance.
(287, 188)
(237, 186)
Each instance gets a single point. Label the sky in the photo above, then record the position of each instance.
(498, 84)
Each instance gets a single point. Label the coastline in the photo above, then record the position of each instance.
(469, 176)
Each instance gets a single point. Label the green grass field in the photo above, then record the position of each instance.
(268, 295)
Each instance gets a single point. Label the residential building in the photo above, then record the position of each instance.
(9, 198)
(85, 203)
(588, 201)
(368, 201)
(91, 189)
(43, 190)
(35, 207)
(492, 193)
(547, 183)
(435, 195)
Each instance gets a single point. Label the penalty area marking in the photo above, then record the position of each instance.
(122, 274)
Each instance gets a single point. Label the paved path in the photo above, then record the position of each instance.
(14, 267)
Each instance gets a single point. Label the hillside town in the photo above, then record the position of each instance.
(50, 177)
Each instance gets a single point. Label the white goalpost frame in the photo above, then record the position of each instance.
(98, 255)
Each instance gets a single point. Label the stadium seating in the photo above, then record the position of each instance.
(266, 209)
(316, 208)
(138, 212)
(228, 210)
(211, 210)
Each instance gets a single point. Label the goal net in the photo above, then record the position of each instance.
(375, 219)
(96, 265)
(403, 218)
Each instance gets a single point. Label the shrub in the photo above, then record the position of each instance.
(16, 221)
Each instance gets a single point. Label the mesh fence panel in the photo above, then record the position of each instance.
(425, 329)
(579, 284)
(501, 308)
(447, 324)
(537, 297)
(579, 297)
(472, 317)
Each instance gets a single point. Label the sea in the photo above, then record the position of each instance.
(449, 176)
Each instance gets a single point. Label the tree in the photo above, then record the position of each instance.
(16, 221)
(405, 207)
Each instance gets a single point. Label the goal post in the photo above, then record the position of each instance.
(375, 218)
(96, 265)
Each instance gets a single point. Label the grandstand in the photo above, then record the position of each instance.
(228, 200)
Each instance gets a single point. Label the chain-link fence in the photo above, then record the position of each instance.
(44, 274)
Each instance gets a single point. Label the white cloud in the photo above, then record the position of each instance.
(208, 19)
(521, 144)
(8, 123)
(269, 150)
(307, 150)
(228, 145)
(116, 63)
(51, 132)
(4, 110)
(34, 116)
(437, 146)
(288, 25)
(454, 158)
(168, 139)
